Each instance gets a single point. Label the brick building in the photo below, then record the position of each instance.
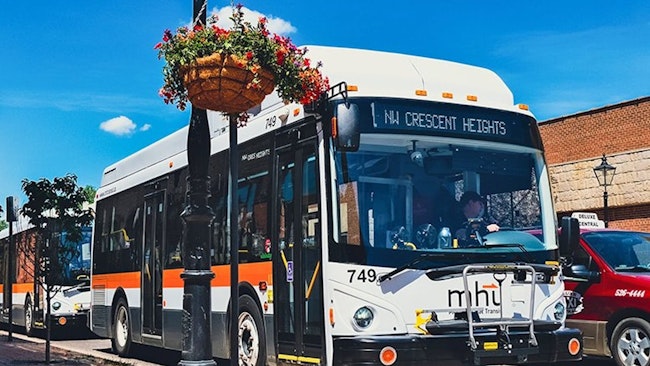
(574, 146)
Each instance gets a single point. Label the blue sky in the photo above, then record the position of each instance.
(79, 80)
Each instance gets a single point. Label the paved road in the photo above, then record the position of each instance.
(76, 349)
(86, 349)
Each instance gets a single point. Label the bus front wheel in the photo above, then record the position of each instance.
(29, 318)
(121, 340)
(251, 336)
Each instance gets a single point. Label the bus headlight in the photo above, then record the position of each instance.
(56, 305)
(363, 317)
(559, 311)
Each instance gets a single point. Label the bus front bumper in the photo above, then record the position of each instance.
(73, 320)
(454, 349)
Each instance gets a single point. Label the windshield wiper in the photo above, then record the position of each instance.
(446, 272)
(422, 258)
(632, 269)
(81, 287)
(528, 258)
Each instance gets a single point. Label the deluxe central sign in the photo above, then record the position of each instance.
(588, 220)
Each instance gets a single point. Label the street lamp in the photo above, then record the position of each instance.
(197, 217)
(605, 175)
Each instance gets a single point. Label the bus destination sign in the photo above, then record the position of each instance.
(453, 120)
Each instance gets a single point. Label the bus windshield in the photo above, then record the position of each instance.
(72, 264)
(398, 192)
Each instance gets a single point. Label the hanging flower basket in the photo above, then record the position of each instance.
(232, 70)
(225, 83)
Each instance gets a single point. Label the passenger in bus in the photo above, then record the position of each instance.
(472, 218)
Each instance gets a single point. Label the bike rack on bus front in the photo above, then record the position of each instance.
(502, 325)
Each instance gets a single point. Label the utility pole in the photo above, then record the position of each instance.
(197, 218)
(11, 265)
(234, 243)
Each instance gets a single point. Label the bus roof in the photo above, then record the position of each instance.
(375, 73)
(22, 224)
(400, 75)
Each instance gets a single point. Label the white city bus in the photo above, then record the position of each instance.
(339, 217)
(69, 291)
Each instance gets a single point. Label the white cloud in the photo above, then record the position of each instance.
(274, 25)
(118, 126)
(145, 127)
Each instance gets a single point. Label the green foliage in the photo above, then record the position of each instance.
(294, 76)
(57, 205)
(3, 223)
(90, 192)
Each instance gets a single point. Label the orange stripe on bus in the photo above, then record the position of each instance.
(252, 273)
(115, 280)
(248, 272)
(23, 288)
(19, 288)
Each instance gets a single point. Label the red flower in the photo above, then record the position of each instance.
(167, 35)
(280, 56)
(157, 46)
(254, 48)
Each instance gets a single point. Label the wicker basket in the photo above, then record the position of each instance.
(219, 83)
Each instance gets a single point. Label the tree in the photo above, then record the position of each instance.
(90, 192)
(54, 208)
(3, 223)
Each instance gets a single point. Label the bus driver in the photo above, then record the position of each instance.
(473, 218)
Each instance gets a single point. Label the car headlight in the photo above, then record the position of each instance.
(56, 305)
(559, 312)
(363, 317)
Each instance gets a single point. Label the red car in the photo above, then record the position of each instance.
(608, 294)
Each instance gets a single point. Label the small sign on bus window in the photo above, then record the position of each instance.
(289, 271)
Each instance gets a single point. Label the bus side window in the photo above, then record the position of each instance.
(120, 233)
(175, 206)
(254, 192)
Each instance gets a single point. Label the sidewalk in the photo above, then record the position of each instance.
(24, 351)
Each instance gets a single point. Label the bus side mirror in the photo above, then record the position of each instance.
(569, 236)
(345, 127)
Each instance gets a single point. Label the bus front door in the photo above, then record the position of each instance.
(154, 220)
(297, 284)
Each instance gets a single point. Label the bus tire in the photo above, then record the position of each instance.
(631, 342)
(251, 334)
(29, 317)
(121, 339)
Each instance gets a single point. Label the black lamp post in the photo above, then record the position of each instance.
(605, 175)
(197, 218)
